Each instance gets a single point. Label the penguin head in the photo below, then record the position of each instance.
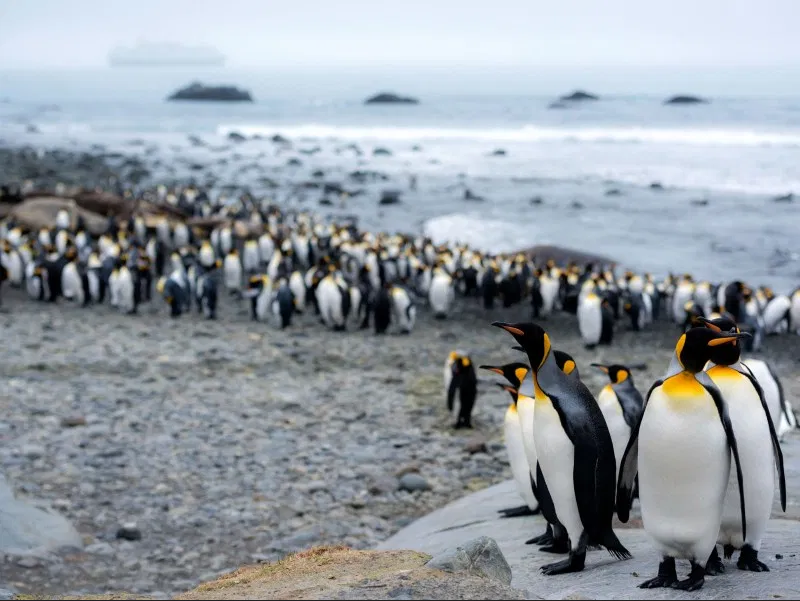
(515, 373)
(695, 348)
(616, 373)
(565, 362)
(723, 354)
(532, 338)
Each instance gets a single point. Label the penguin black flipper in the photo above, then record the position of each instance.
(557, 542)
(781, 396)
(631, 402)
(451, 391)
(776, 446)
(629, 466)
(722, 408)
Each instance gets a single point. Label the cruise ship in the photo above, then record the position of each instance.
(164, 55)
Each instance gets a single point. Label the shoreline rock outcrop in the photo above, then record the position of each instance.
(201, 92)
(390, 98)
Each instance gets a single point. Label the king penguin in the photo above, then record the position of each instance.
(758, 444)
(681, 448)
(574, 450)
(515, 373)
(460, 377)
(621, 404)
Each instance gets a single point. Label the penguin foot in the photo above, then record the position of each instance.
(515, 512)
(748, 560)
(546, 538)
(695, 581)
(727, 551)
(714, 565)
(667, 576)
(574, 563)
(557, 547)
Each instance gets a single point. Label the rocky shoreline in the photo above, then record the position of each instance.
(220, 444)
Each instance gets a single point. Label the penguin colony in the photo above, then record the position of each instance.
(286, 263)
(699, 451)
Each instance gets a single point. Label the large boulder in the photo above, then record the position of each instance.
(199, 91)
(479, 557)
(29, 530)
(390, 98)
(686, 100)
(37, 213)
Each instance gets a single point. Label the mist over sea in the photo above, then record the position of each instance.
(720, 165)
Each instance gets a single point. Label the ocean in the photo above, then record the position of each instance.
(718, 166)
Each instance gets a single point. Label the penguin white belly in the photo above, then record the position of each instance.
(549, 290)
(512, 434)
(113, 288)
(683, 294)
(266, 247)
(590, 320)
(13, 263)
(225, 241)
(298, 288)
(526, 410)
(355, 303)
(756, 456)
(681, 497)
(71, 284)
(233, 272)
(125, 290)
(404, 313)
(772, 394)
(556, 455)
(646, 315)
(775, 315)
(329, 298)
(615, 420)
(262, 302)
(440, 294)
(794, 313)
(250, 258)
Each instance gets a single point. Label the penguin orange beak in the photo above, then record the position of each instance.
(508, 328)
(729, 338)
(602, 368)
(496, 370)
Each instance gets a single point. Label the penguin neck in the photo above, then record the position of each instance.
(548, 370)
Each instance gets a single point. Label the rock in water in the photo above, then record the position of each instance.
(579, 96)
(199, 91)
(479, 557)
(25, 529)
(686, 100)
(389, 197)
(389, 98)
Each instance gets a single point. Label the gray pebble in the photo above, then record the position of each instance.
(412, 482)
(129, 532)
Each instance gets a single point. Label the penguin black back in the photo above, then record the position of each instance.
(465, 381)
(382, 311)
(629, 397)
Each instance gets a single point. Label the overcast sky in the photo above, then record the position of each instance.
(272, 33)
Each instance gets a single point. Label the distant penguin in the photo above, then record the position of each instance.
(126, 299)
(232, 272)
(298, 288)
(681, 448)
(404, 311)
(173, 294)
(794, 312)
(266, 247)
(206, 256)
(11, 260)
(95, 281)
(251, 258)
(606, 322)
(621, 404)
(36, 282)
(574, 451)
(283, 304)
(684, 292)
(777, 315)
(590, 319)
(333, 299)
(62, 220)
(72, 283)
(441, 293)
(460, 379)
(207, 294)
(382, 309)
(489, 287)
(759, 450)
(259, 292)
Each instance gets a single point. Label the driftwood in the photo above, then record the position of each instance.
(36, 213)
(562, 256)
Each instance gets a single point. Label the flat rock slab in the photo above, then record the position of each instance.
(29, 530)
(604, 577)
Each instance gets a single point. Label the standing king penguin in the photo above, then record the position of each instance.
(515, 373)
(758, 443)
(574, 449)
(459, 376)
(684, 418)
(621, 404)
